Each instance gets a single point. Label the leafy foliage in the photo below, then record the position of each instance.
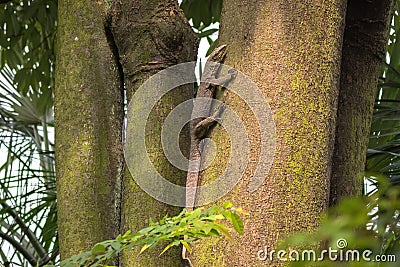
(383, 157)
(28, 217)
(366, 222)
(182, 229)
(27, 42)
(204, 14)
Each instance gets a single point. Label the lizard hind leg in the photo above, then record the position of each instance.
(203, 127)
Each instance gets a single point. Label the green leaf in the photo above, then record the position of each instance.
(175, 243)
(185, 6)
(146, 230)
(41, 15)
(237, 223)
(98, 249)
(146, 246)
(196, 18)
(203, 226)
(227, 205)
(116, 245)
(186, 245)
(118, 238)
(222, 229)
(206, 16)
(3, 39)
(211, 48)
(202, 12)
(11, 58)
(194, 214)
(127, 234)
(7, 17)
(241, 211)
(227, 215)
(216, 8)
(2, 58)
(30, 11)
(206, 33)
(23, 79)
(16, 27)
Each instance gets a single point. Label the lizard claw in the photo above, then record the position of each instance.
(233, 72)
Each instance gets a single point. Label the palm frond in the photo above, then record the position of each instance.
(28, 217)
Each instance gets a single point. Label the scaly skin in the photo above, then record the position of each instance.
(202, 121)
(200, 116)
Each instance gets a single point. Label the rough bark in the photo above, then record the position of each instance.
(364, 47)
(88, 124)
(291, 50)
(151, 36)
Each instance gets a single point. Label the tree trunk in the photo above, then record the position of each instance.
(151, 36)
(364, 47)
(291, 50)
(88, 123)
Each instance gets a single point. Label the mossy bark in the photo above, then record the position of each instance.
(151, 36)
(364, 47)
(291, 50)
(88, 125)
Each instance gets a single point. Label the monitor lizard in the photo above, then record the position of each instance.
(202, 121)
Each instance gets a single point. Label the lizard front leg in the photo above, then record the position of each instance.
(223, 81)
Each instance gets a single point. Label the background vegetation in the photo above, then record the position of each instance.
(28, 216)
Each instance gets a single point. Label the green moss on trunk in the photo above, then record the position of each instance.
(291, 50)
(151, 36)
(88, 122)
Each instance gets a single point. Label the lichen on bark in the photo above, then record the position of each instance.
(291, 50)
(88, 129)
(151, 36)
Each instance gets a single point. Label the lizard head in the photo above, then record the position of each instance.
(213, 66)
(213, 62)
(218, 55)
